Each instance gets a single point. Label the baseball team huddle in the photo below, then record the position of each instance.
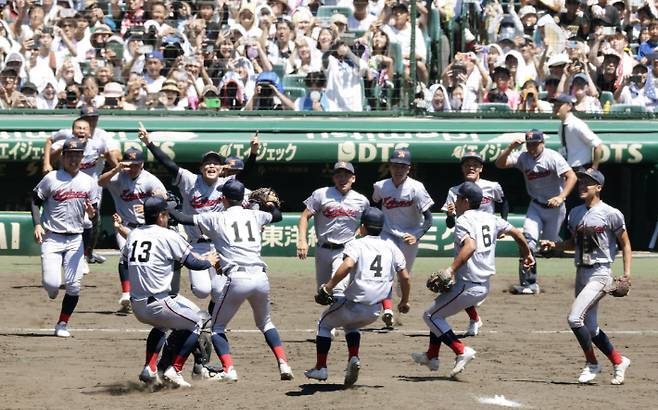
(364, 254)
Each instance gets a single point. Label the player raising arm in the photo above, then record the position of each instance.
(596, 227)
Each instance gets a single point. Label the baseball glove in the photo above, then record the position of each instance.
(323, 297)
(441, 281)
(265, 198)
(619, 287)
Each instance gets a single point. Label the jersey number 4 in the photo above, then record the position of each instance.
(236, 231)
(144, 252)
(376, 266)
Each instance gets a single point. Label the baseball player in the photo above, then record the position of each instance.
(148, 258)
(596, 227)
(130, 184)
(472, 267)
(201, 193)
(99, 149)
(406, 206)
(472, 164)
(235, 233)
(66, 196)
(549, 180)
(373, 262)
(336, 213)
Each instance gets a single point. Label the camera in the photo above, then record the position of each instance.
(265, 89)
(71, 96)
(111, 102)
(635, 79)
(145, 49)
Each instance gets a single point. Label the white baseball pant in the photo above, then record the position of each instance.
(351, 316)
(543, 223)
(251, 285)
(327, 262)
(61, 250)
(463, 295)
(590, 282)
(202, 281)
(164, 312)
(409, 251)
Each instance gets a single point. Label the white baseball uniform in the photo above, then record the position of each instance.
(543, 181)
(336, 219)
(472, 278)
(150, 253)
(129, 196)
(62, 219)
(199, 198)
(376, 263)
(492, 192)
(403, 207)
(235, 233)
(595, 233)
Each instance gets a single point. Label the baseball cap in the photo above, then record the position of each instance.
(534, 135)
(88, 111)
(211, 155)
(233, 189)
(580, 76)
(401, 7)
(401, 156)
(473, 155)
(470, 191)
(373, 217)
(344, 165)
(565, 98)
(73, 144)
(558, 59)
(113, 90)
(29, 86)
(133, 156)
(593, 174)
(338, 18)
(234, 163)
(527, 10)
(13, 58)
(153, 206)
(155, 55)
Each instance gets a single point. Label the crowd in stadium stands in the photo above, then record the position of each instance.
(333, 55)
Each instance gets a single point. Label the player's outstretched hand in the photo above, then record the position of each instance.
(89, 208)
(38, 234)
(403, 307)
(409, 239)
(255, 143)
(143, 134)
(451, 210)
(517, 143)
(302, 250)
(213, 258)
(546, 246)
(117, 221)
(528, 261)
(555, 202)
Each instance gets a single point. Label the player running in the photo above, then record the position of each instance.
(372, 263)
(596, 227)
(235, 233)
(130, 185)
(406, 207)
(472, 268)
(336, 213)
(66, 197)
(549, 180)
(472, 164)
(148, 258)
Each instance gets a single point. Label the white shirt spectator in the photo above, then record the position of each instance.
(153, 85)
(403, 37)
(344, 84)
(354, 24)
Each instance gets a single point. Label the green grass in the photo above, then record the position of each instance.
(641, 267)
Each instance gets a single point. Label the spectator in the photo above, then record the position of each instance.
(651, 87)
(360, 18)
(168, 97)
(437, 99)
(136, 94)
(69, 97)
(315, 98)
(269, 94)
(551, 87)
(649, 46)
(502, 93)
(281, 48)
(29, 90)
(580, 89)
(47, 98)
(247, 19)
(305, 59)
(113, 98)
(573, 21)
(153, 77)
(632, 89)
(344, 71)
(209, 98)
(231, 92)
(400, 32)
(8, 92)
(302, 20)
(380, 68)
(530, 101)
(90, 94)
(339, 23)
(610, 73)
(326, 39)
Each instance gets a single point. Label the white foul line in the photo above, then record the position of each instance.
(18, 330)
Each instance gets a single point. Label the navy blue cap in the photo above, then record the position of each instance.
(73, 144)
(153, 206)
(401, 156)
(373, 217)
(234, 163)
(233, 189)
(534, 135)
(472, 155)
(565, 98)
(155, 55)
(471, 191)
(593, 174)
(133, 155)
(88, 110)
(347, 166)
(211, 154)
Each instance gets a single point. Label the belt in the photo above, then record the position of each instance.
(152, 299)
(66, 233)
(133, 225)
(203, 240)
(329, 245)
(542, 204)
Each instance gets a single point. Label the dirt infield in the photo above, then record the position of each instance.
(525, 351)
